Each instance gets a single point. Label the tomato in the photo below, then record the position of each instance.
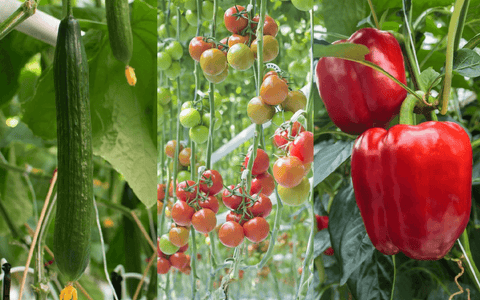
(281, 117)
(183, 23)
(186, 191)
(190, 117)
(281, 136)
(178, 260)
(187, 104)
(163, 265)
(191, 17)
(197, 46)
(259, 112)
(240, 57)
(295, 100)
(170, 148)
(223, 41)
(207, 10)
(166, 246)
(238, 218)
(263, 183)
(296, 195)
(231, 234)
(213, 61)
(231, 198)
(175, 50)
(307, 168)
(261, 163)
(211, 203)
(302, 147)
(269, 73)
(178, 236)
(237, 39)
(288, 171)
(235, 23)
(218, 119)
(295, 68)
(183, 249)
(183, 175)
(204, 220)
(270, 27)
(198, 134)
(191, 5)
(164, 96)
(217, 78)
(164, 60)
(174, 71)
(273, 90)
(256, 229)
(304, 5)
(160, 191)
(184, 157)
(211, 182)
(182, 213)
(270, 48)
(262, 206)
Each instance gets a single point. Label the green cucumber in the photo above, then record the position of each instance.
(119, 29)
(74, 214)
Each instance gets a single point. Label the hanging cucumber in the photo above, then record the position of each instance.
(74, 213)
(120, 34)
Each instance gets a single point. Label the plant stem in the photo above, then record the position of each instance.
(194, 263)
(461, 24)
(452, 29)
(7, 166)
(406, 110)
(410, 47)
(394, 277)
(22, 13)
(473, 42)
(373, 14)
(468, 259)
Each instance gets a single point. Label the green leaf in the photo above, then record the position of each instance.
(466, 62)
(328, 158)
(342, 16)
(343, 50)
(14, 196)
(349, 238)
(439, 292)
(321, 242)
(19, 133)
(427, 78)
(374, 279)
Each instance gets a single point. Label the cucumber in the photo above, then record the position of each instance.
(119, 29)
(74, 214)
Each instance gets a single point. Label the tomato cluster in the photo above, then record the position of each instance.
(168, 59)
(171, 254)
(248, 210)
(322, 223)
(238, 50)
(196, 116)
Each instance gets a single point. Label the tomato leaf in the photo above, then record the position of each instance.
(328, 157)
(343, 50)
(349, 238)
(467, 63)
(374, 279)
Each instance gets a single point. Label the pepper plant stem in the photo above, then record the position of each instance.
(472, 270)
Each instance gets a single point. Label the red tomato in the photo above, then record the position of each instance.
(230, 198)
(273, 90)
(182, 213)
(186, 191)
(184, 157)
(231, 234)
(170, 148)
(235, 24)
(270, 27)
(263, 183)
(302, 147)
(280, 138)
(211, 203)
(213, 61)
(234, 217)
(256, 229)
(211, 182)
(236, 38)
(163, 265)
(261, 163)
(160, 191)
(262, 207)
(204, 220)
(183, 249)
(198, 46)
(178, 260)
(288, 171)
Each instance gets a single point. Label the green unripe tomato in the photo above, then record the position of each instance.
(175, 50)
(164, 97)
(240, 57)
(296, 195)
(166, 246)
(303, 5)
(217, 101)
(281, 117)
(191, 5)
(190, 117)
(183, 22)
(161, 18)
(198, 134)
(185, 105)
(183, 175)
(164, 61)
(160, 113)
(216, 124)
(162, 31)
(174, 70)
(207, 10)
(191, 17)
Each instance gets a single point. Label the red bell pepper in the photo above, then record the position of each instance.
(358, 97)
(413, 187)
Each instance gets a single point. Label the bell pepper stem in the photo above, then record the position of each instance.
(468, 259)
(406, 110)
(394, 277)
